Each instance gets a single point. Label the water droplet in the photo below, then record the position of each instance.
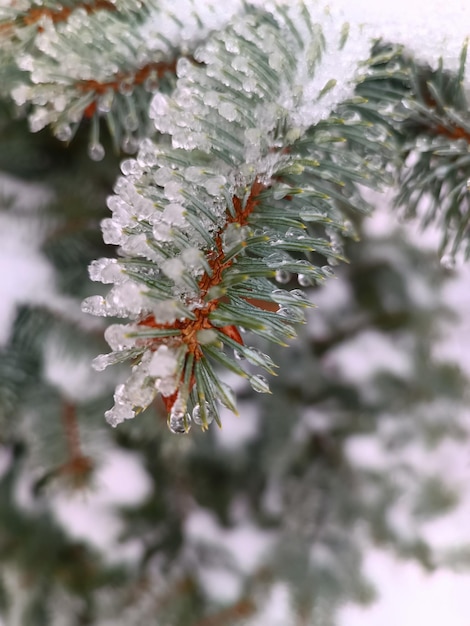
(126, 86)
(183, 67)
(298, 294)
(275, 259)
(348, 229)
(303, 280)
(448, 262)
(375, 162)
(105, 102)
(468, 183)
(350, 117)
(238, 355)
(291, 313)
(327, 271)
(151, 83)
(96, 152)
(197, 415)
(376, 133)
(63, 132)
(179, 422)
(130, 144)
(100, 362)
(282, 276)
(131, 122)
(259, 384)
(95, 305)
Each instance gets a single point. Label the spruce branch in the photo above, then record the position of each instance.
(256, 185)
(87, 61)
(435, 127)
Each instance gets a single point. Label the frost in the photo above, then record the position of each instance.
(174, 269)
(163, 363)
(117, 336)
(106, 271)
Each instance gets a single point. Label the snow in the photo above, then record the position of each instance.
(430, 29)
(26, 274)
(245, 546)
(90, 515)
(409, 596)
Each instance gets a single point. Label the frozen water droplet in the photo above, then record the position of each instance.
(348, 229)
(197, 415)
(63, 132)
(228, 111)
(102, 361)
(350, 117)
(298, 294)
(96, 152)
(159, 106)
(238, 355)
(214, 185)
(131, 122)
(259, 383)
(327, 271)
(112, 231)
(117, 337)
(151, 83)
(294, 234)
(130, 166)
(304, 280)
(233, 236)
(376, 133)
(448, 262)
(95, 305)
(183, 67)
(291, 313)
(105, 102)
(126, 86)
(130, 144)
(282, 276)
(179, 422)
(275, 259)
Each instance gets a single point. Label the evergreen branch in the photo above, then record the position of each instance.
(100, 63)
(436, 137)
(60, 13)
(254, 180)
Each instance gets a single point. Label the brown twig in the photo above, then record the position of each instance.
(78, 466)
(455, 132)
(243, 609)
(35, 14)
(137, 78)
(190, 327)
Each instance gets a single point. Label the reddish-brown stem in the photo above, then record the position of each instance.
(137, 78)
(216, 258)
(78, 465)
(456, 132)
(61, 15)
